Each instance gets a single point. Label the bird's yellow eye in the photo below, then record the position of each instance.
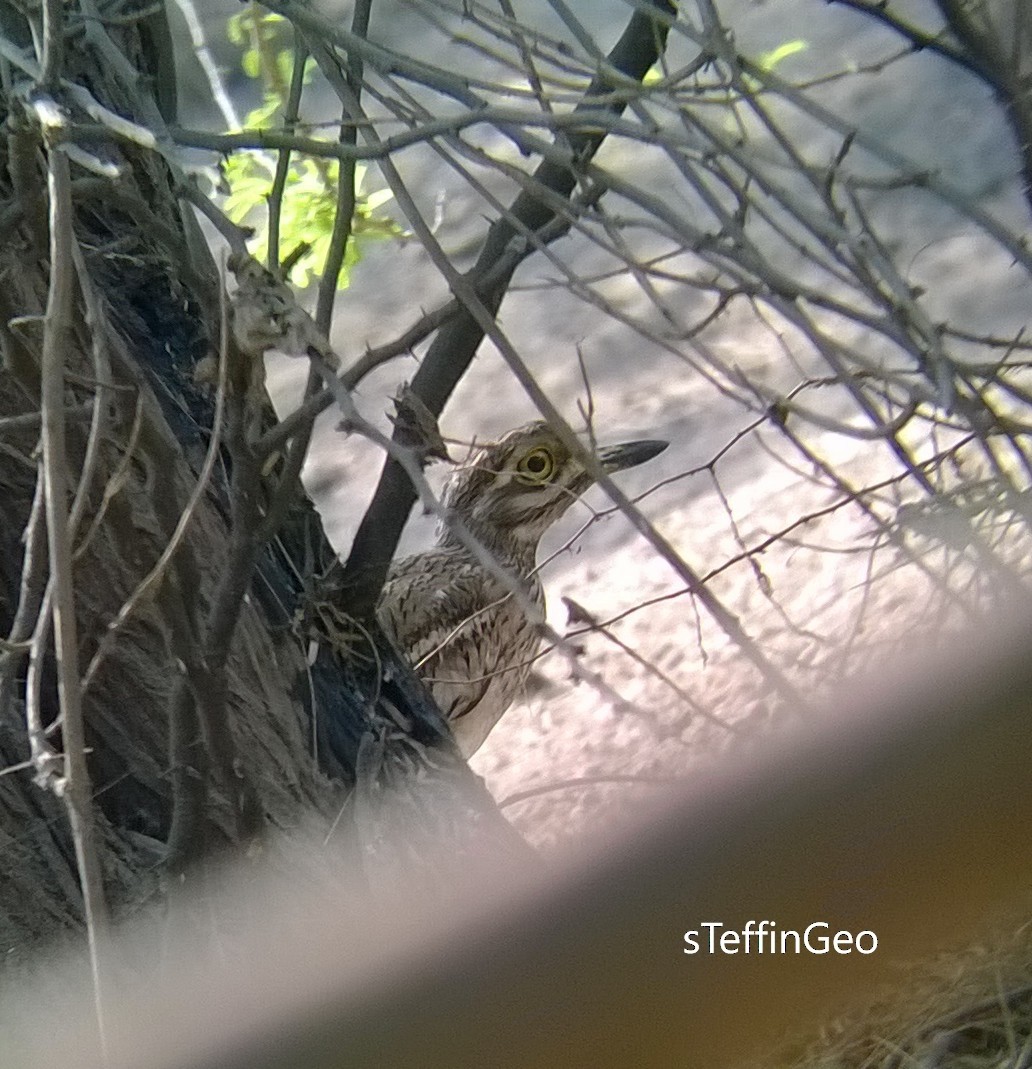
(536, 466)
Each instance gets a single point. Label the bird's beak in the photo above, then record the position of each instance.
(630, 454)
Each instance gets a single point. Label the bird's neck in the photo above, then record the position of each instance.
(518, 554)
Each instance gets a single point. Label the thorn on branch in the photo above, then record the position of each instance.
(416, 428)
(577, 614)
(777, 413)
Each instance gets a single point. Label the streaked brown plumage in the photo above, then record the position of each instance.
(457, 623)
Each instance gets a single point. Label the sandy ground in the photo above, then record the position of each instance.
(824, 606)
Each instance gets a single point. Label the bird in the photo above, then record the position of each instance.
(454, 619)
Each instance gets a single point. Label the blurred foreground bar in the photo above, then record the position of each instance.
(906, 810)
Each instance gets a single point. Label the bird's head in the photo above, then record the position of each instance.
(509, 492)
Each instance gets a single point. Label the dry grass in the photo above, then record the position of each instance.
(969, 1008)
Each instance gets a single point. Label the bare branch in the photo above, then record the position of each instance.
(922, 39)
(453, 348)
(75, 782)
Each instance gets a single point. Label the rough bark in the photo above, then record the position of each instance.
(219, 784)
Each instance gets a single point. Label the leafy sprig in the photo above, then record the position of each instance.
(310, 194)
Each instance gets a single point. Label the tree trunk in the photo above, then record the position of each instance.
(187, 756)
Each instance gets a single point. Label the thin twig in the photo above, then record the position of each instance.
(34, 565)
(282, 172)
(343, 219)
(30, 421)
(602, 780)
(75, 783)
(578, 614)
(208, 63)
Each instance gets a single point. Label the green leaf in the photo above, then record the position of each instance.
(378, 199)
(251, 62)
(310, 192)
(235, 30)
(769, 60)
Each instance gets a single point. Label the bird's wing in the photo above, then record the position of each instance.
(465, 635)
(430, 599)
(463, 632)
